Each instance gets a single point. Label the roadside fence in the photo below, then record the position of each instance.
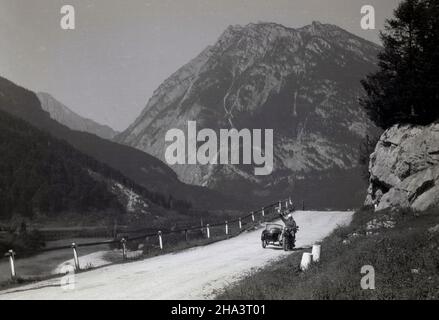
(128, 247)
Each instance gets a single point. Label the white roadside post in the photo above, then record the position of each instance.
(253, 216)
(279, 209)
(160, 240)
(227, 228)
(263, 212)
(124, 248)
(306, 261)
(208, 231)
(11, 255)
(240, 224)
(316, 249)
(75, 257)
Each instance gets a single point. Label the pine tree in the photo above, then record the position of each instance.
(405, 89)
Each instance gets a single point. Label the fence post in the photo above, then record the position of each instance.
(11, 255)
(160, 240)
(280, 207)
(124, 248)
(253, 216)
(208, 231)
(227, 228)
(240, 224)
(75, 257)
(263, 212)
(306, 261)
(316, 249)
(185, 235)
(286, 203)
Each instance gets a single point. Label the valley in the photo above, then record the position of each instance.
(238, 150)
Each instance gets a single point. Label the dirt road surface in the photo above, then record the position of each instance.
(195, 273)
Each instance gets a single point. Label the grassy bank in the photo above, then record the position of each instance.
(403, 248)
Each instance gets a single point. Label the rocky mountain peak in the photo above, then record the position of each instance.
(303, 83)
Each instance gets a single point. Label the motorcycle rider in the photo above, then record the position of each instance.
(290, 223)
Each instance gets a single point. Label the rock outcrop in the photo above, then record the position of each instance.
(404, 168)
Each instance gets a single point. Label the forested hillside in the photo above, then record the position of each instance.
(145, 170)
(41, 176)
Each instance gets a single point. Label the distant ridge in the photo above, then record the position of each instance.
(74, 121)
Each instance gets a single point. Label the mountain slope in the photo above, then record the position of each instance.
(141, 168)
(303, 83)
(67, 117)
(41, 176)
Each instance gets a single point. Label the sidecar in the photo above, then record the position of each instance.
(272, 234)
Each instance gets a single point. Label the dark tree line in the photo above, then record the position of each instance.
(405, 89)
(40, 174)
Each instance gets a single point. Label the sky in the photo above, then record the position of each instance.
(122, 50)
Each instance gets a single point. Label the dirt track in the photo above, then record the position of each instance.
(191, 274)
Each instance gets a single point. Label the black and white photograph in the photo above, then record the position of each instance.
(219, 151)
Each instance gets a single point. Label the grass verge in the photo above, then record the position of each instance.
(401, 246)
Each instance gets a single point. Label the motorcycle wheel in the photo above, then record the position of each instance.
(264, 244)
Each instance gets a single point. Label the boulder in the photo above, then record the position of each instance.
(404, 168)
